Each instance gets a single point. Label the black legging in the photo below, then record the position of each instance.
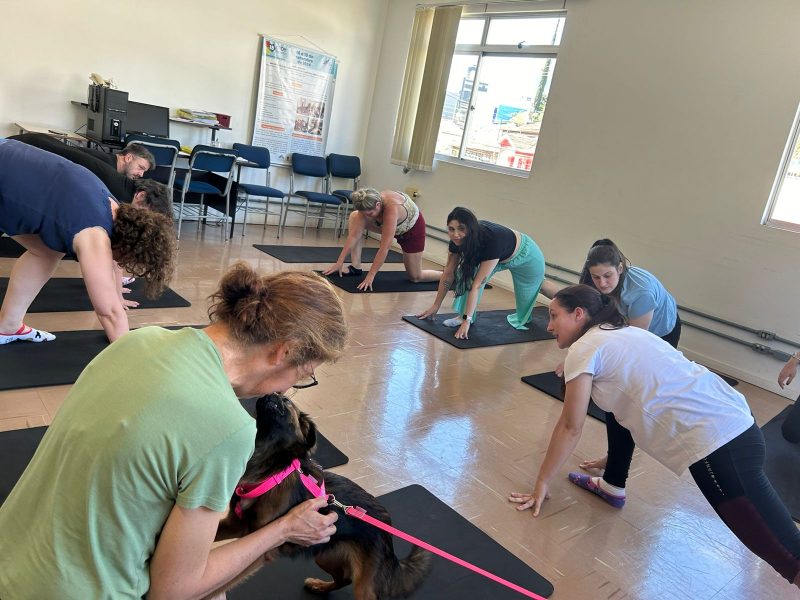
(620, 442)
(733, 481)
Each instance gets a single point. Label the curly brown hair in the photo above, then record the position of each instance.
(298, 308)
(143, 243)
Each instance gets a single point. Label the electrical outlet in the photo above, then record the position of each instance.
(412, 191)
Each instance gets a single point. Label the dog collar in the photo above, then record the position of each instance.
(254, 490)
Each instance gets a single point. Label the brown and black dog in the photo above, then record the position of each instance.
(357, 553)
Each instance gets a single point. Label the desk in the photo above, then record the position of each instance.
(213, 128)
(56, 132)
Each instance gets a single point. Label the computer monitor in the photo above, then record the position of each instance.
(148, 119)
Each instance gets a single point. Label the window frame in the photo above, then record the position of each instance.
(482, 50)
(780, 178)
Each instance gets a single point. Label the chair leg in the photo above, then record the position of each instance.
(225, 235)
(180, 213)
(246, 206)
(200, 216)
(285, 213)
(305, 218)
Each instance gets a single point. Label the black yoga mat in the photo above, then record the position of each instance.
(17, 449)
(782, 464)
(550, 384)
(326, 454)
(10, 248)
(490, 329)
(68, 294)
(385, 281)
(28, 364)
(418, 512)
(320, 254)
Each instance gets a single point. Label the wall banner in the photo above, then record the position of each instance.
(295, 93)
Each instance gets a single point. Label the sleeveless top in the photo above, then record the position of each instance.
(48, 195)
(412, 214)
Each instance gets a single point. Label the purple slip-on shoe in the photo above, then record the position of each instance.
(585, 481)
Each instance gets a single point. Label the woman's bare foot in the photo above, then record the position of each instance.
(596, 467)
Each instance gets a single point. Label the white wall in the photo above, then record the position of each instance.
(198, 54)
(664, 127)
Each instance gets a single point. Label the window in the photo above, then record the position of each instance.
(783, 208)
(497, 90)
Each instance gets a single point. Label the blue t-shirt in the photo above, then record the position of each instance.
(50, 196)
(641, 293)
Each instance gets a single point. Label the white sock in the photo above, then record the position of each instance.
(32, 335)
(608, 488)
(454, 322)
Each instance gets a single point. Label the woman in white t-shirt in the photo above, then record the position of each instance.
(677, 411)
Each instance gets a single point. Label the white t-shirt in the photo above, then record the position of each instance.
(677, 411)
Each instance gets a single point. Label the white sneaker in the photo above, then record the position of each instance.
(454, 322)
(31, 335)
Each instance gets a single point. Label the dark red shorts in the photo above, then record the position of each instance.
(413, 240)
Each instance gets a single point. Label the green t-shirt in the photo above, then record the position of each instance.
(152, 421)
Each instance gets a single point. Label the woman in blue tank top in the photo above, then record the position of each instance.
(54, 207)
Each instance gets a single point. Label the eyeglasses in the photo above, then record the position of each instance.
(306, 382)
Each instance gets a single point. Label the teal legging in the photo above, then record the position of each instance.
(527, 274)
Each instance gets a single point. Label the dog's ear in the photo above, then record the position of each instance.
(308, 429)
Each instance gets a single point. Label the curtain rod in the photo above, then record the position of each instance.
(490, 2)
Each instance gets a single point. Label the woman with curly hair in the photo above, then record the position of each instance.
(478, 250)
(54, 207)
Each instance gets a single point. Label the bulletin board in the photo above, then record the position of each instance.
(295, 95)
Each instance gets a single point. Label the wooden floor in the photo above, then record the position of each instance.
(408, 408)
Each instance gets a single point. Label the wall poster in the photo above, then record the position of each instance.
(295, 93)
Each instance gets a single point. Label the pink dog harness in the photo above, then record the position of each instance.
(254, 490)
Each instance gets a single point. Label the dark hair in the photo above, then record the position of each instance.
(298, 308)
(469, 250)
(605, 252)
(602, 310)
(139, 151)
(143, 243)
(156, 195)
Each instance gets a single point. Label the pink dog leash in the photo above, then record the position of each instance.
(253, 490)
(359, 513)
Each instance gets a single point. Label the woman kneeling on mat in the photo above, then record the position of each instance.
(645, 303)
(478, 250)
(676, 410)
(127, 488)
(54, 207)
(393, 215)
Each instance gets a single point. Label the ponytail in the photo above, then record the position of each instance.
(602, 310)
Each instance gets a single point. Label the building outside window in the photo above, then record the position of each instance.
(783, 207)
(497, 90)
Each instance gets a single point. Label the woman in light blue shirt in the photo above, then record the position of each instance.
(645, 303)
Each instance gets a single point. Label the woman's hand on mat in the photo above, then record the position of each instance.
(305, 525)
(429, 313)
(533, 500)
(788, 373)
(129, 304)
(463, 331)
(366, 285)
(334, 268)
(559, 370)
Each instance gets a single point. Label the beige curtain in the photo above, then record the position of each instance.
(433, 39)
